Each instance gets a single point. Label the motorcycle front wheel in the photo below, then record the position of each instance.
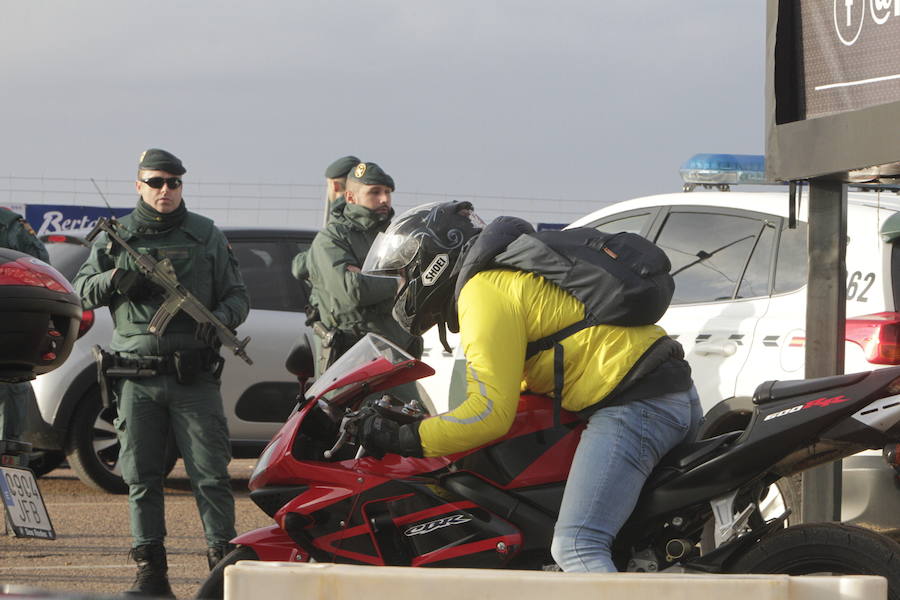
(214, 586)
(825, 549)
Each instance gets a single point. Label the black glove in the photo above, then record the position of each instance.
(206, 333)
(135, 286)
(416, 346)
(380, 436)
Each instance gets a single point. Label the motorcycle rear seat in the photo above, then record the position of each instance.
(686, 455)
(771, 391)
(689, 453)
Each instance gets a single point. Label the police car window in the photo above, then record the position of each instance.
(708, 252)
(755, 282)
(632, 223)
(792, 266)
(266, 274)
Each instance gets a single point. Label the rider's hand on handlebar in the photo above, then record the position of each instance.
(380, 435)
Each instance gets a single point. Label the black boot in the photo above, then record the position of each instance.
(152, 575)
(217, 552)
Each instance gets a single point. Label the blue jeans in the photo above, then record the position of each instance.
(618, 449)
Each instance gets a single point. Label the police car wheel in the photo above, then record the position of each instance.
(93, 446)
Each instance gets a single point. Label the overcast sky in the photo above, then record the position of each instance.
(574, 100)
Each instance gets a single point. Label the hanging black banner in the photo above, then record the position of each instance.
(849, 58)
(832, 89)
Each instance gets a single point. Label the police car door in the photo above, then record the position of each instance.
(778, 350)
(722, 263)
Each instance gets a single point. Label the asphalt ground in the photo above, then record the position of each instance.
(90, 554)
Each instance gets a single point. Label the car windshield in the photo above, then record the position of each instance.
(67, 257)
(371, 358)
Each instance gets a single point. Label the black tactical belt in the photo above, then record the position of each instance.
(131, 366)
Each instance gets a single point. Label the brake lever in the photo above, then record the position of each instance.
(342, 439)
(346, 430)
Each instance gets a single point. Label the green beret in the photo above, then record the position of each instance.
(339, 168)
(370, 174)
(155, 159)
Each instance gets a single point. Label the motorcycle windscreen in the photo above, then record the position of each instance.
(371, 365)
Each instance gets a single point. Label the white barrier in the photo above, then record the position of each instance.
(251, 580)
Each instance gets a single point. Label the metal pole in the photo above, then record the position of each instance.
(825, 326)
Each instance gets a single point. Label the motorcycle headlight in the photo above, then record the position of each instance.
(264, 459)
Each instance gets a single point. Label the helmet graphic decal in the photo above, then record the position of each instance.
(450, 239)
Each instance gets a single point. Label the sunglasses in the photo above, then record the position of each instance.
(157, 182)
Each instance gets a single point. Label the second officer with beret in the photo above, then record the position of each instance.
(352, 304)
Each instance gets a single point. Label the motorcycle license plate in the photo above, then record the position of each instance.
(25, 508)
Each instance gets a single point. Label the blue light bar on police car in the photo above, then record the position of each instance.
(724, 169)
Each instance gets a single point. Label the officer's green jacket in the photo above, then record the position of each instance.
(16, 234)
(348, 300)
(298, 266)
(203, 263)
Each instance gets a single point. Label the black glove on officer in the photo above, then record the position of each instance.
(206, 333)
(134, 285)
(380, 436)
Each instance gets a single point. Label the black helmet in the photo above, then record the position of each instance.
(39, 317)
(423, 245)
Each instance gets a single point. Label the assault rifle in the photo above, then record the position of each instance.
(162, 273)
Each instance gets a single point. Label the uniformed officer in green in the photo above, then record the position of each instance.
(184, 394)
(17, 234)
(352, 304)
(335, 183)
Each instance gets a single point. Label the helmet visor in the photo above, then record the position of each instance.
(390, 253)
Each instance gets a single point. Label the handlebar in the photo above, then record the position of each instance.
(387, 407)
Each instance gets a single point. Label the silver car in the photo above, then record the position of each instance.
(69, 423)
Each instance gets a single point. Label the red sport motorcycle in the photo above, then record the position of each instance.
(495, 506)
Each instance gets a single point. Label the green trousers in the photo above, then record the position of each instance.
(14, 400)
(147, 409)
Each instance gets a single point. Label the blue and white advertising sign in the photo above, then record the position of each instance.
(59, 218)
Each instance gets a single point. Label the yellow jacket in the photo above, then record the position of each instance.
(501, 311)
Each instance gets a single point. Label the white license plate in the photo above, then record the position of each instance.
(24, 505)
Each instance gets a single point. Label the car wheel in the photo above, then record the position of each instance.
(93, 446)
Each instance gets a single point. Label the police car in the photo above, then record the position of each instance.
(739, 307)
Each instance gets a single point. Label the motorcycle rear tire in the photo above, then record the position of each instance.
(825, 548)
(214, 586)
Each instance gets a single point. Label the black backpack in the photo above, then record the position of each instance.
(621, 278)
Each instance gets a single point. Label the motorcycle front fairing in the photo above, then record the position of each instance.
(371, 365)
(296, 485)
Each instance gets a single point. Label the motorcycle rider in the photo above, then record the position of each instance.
(630, 384)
